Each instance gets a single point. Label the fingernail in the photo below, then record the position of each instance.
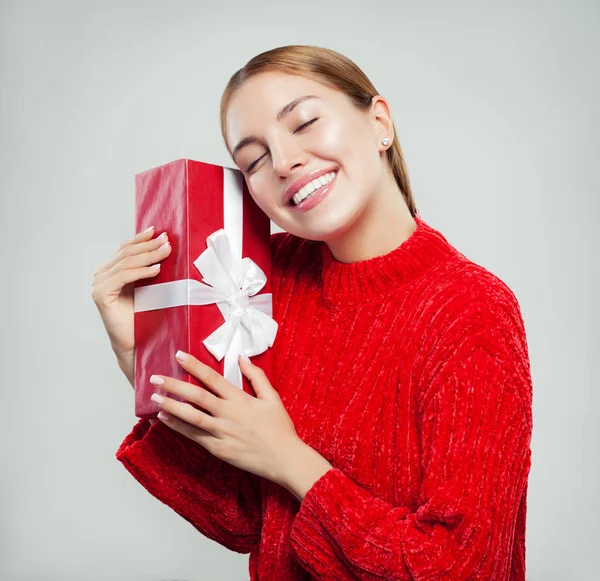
(164, 416)
(148, 229)
(156, 380)
(244, 356)
(181, 356)
(157, 398)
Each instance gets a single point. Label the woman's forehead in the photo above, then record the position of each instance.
(283, 83)
(266, 98)
(268, 94)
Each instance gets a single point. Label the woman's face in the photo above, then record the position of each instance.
(325, 133)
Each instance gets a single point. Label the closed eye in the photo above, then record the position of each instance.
(251, 166)
(306, 124)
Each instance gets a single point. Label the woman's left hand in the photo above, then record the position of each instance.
(255, 434)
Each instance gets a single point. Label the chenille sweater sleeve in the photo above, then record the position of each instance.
(475, 434)
(221, 501)
(218, 499)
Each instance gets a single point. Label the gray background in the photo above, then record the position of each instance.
(496, 107)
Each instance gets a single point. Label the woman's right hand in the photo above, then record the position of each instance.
(112, 287)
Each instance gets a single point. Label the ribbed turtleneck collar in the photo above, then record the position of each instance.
(364, 281)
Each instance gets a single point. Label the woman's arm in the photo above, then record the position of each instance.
(218, 499)
(476, 432)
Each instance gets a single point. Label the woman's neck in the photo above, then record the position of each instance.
(383, 226)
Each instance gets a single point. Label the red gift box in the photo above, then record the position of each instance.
(212, 295)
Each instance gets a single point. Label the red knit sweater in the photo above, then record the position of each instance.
(410, 374)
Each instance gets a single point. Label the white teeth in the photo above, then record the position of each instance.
(312, 187)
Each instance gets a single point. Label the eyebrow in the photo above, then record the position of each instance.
(281, 115)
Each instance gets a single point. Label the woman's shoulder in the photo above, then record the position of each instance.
(458, 280)
(473, 283)
(471, 305)
(474, 310)
(485, 289)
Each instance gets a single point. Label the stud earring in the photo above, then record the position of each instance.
(385, 141)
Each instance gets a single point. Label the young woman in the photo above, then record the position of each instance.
(394, 440)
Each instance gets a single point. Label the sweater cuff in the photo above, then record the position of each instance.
(325, 505)
(219, 500)
(150, 448)
(308, 535)
(179, 473)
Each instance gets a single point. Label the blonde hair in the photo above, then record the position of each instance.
(329, 68)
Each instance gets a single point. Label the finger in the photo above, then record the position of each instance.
(208, 376)
(258, 379)
(139, 237)
(137, 256)
(202, 437)
(133, 249)
(145, 235)
(189, 392)
(112, 286)
(189, 414)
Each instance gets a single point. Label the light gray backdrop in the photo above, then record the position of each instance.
(496, 106)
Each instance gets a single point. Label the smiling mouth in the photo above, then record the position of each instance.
(293, 204)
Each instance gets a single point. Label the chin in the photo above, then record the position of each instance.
(325, 226)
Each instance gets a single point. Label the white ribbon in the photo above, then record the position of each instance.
(248, 328)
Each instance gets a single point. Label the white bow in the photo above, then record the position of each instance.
(248, 328)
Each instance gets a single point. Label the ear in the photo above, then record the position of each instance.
(382, 118)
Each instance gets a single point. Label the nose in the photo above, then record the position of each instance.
(287, 155)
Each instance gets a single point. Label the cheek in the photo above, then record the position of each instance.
(344, 142)
(331, 139)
